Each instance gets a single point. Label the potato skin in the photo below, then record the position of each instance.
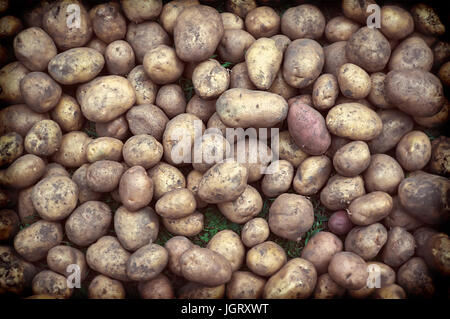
(246, 206)
(356, 10)
(261, 109)
(159, 287)
(239, 77)
(231, 21)
(147, 119)
(162, 65)
(201, 108)
(307, 128)
(193, 290)
(205, 267)
(436, 252)
(197, 32)
(9, 224)
(147, 262)
(266, 259)
(439, 163)
(279, 181)
(142, 150)
(104, 176)
(311, 175)
(383, 174)
(354, 121)
(370, 208)
(340, 29)
(303, 21)
(44, 138)
(339, 223)
(102, 287)
(396, 22)
(326, 288)
(210, 79)
(392, 291)
(33, 242)
(415, 277)
(189, 225)
(67, 113)
(234, 43)
(335, 57)
(59, 257)
(11, 147)
(400, 217)
(254, 232)
(354, 82)
(412, 53)
(245, 285)
(144, 88)
(320, 249)
(413, 152)
(108, 23)
(427, 20)
(165, 178)
(340, 191)
(177, 203)
(415, 92)
(399, 247)
(117, 128)
(377, 95)
(25, 208)
(84, 192)
(135, 188)
(171, 100)
(348, 270)
(119, 57)
(295, 280)
(366, 241)
(104, 148)
(176, 246)
(228, 244)
(52, 283)
(141, 10)
(325, 91)
(23, 172)
(352, 158)
(10, 78)
(262, 22)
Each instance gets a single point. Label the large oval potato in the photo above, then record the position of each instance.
(228, 244)
(396, 22)
(67, 113)
(353, 81)
(177, 203)
(303, 21)
(23, 172)
(147, 262)
(412, 53)
(383, 174)
(320, 249)
(340, 29)
(147, 119)
(104, 176)
(340, 191)
(104, 148)
(399, 247)
(266, 259)
(370, 208)
(312, 174)
(108, 23)
(189, 225)
(135, 188)
(348, 270)
(162, 65)
(31, 88)
(144, 88)
(10, 77)
(262, 22)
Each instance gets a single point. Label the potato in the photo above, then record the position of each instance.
(193, 290)
(171, 100)
(55, 169)
(439, 163)
(366, 241)
(9, 26)
(262, 22)
(307, 128)
(279, 180)
(117, 128)
(400, 217)
(395, 125)
(119, 58)
(67, 31)
(312, 174)
(234, 44)
(383, 174)
(245, 285)
(295, 280)
(147, 119)
(11, 147)
(162, 65)
(108, 257)
(23, 172)
(352, 159)
(335, 57)
(425, 197)
(40, 92)
(320, 249)
(104, 176)
(254, 232)
(239, 77)
(288, 150)
(340, 29)
(290, 216)
(210, 149)
(102, 287)
(108, 23)
(437, 120)
(396, 22)
(377, 95)
(104, 148)
(197, 32)
(10, 78)
(398, 248)
(354, 121)
(44, 138)
(412, 53)
(16, 274)
(144, 88)
(142, 150)
(147, 262)
(171, 10)
(339, 223)
(427, 20)
(392, 291)
(84, 192)
(165, 178)
(281, 42)
(98, 45)
(303, 21)
(175, 247)
(52, 283)
(354, 82)
(370, 208)
(34, 241)
(177, 203)
(252, 153)
(189, 226)
(210, 79)
(325, 91)
(229, 245)
(246, 206)
(303, 62)
(369, 49)
(135, 188)
(336, 143)
(67, 113)
(415, 277)
(348, 270)
(115, 92)
(413, 151)
(19, 118)
(280, 87)
(201, 108)
(159, 287)
(326, 288)
(204, 266)
(140, 10)
(193, 179)
(25, 209)
(340, 191)
(9, 224)
(444, 74)
(436, 253)
(60, 257)
(266, 259)
(231, 21)
(357, 10)
(415, 92)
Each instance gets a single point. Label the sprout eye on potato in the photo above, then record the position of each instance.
(235, 149)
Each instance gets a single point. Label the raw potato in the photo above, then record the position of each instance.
(437, 120)
(34, 48)
(171, 100)
(165, 178)
(396, 22)
(147, 119)
(325, 91)
(19, 118)
(354, 82)
(252, 153)
(189, 226)
(239, 77)
(104, 148)
(280, 87)
(436, 253)
(23, 172)
(279, 178)
(115, 92)
(303, 62)
(84, 192)
(290, 216)
(366, 241)
(177, 203)
(159, 287)
(232, 21)
(228, 244)
(352, 159)
(9, 224)
(11, 147)
(369, 49)
(370, 208)
(34, 241)
(162, 65)
(104, 176)
(142, 150)
(295, 280)
(108, 23)
(9, 26)
(427, 20)
(193, 179)
(10, 77)
(340, 29)
(246, 206)
(311, 175)
(210, 79)
(136, 229)
(43, 139)
(254, 232)
(204, 266)
(266, 259)
(76, 65)
(339, 223)
(245, 285)
(119, 58)
(144, 88)
(383, 174)
(392, 291)
(176, 246)
(413, 152)
(288, 150)
(16, 273)
(67, 113)
(197, 33)
(326, 288)
(147, 262)
(415, 277)
(348, 270)
(40, 92)
(340, 191)
(201, 108)
(193, 290)
(135, 188)
(171, 11)
(335, 57)
(98, 45)
(377, 95)
(401, 218)
(439, 163)
(357, 9)
(108, 257)
(262, 22)
(412, 53)
(320, 249)
(304, 21)
(102, 287)
(59, 258)
(51, 283)
(140, 10)
(233, 45)
(399, 247)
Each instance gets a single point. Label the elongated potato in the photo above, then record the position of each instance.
(188, 226)
(370, 208)
(104, 148)
(312, 174)
(325, 91)
(339, 191)
(135, 188)
(23, 172)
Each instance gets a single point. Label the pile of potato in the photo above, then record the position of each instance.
(93, 103)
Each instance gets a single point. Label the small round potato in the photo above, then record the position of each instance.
(396, 22)
(159, 287)
(162, 65)
(144, 88)
(348, 270)
(233, 45)
(262, 22)
(366, 241)
(278, 178)
(254, 232)
(119, 57)
(188, 226)
(228, 244)
(55, 197)
(40, 92)
(117, 128)
(320, 249)
(67, 113)
(11, 147)
(104, 176)
(9, 224)
(51, 283)
(340, 29)
(303, 21)
(413, 152)
(102, 287)
(246, 206)
(147, 262)
(383, 174)
(135, 188)
(399, 247)
(325, 91)
(171, 100)
(142, 150)
(340, 191)
(354, 82)
(165, 178)
(175, 204)
(23, 172)
(245, 285)
(415, 277)
(339, 223)
(370, 208)
(412, 53)
(326, 288)
(232, 21)
(59, 258)
(266, 259)
(44, 138)
(176, 246)
(295, 280)
(210, 79)
(312, 174)
(352, 159)
(108, 23)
